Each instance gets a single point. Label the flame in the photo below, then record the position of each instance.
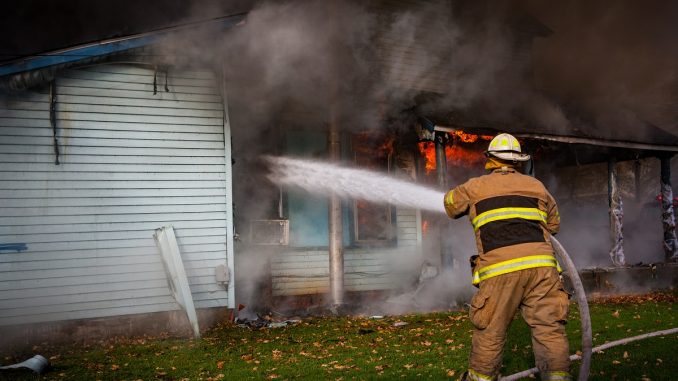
(428, 151)
(424, 227)
(470, 138)
(386, 148)
(458, 154)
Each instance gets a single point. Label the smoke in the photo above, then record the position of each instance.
(581, 193)
(305, 64)
(613, 63)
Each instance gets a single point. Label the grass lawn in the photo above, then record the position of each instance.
(433, 346)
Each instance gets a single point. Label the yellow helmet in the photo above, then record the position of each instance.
(506, 147)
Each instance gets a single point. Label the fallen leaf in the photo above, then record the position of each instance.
(616, 313)
(220, 365)
(115, 367)
(626, 354)
(450, 372)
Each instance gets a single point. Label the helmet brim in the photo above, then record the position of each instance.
(510, 156)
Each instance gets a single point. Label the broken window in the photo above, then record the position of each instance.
(372, 221)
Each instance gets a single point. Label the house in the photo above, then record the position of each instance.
(103, 143)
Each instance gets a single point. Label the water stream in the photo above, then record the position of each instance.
(323, 178)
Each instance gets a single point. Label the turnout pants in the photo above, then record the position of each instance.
(543, 302)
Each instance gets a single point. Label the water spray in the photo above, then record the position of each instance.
(322, 178)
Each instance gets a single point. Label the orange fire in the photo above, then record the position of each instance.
(424, 227)
(458, 154)
(470, 138)
(428, 151)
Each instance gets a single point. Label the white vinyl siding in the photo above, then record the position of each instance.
(131, 162)
(407, 225)
(307, 272)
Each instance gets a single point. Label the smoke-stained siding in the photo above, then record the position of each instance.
(131, 162)
(307, 272)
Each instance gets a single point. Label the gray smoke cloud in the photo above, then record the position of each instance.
(303, 63)
(613, 63)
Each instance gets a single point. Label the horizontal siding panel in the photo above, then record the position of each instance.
(110, 168)
(21, 306)
(129, 118)
(131, 69)
(403, 225)
(124, 309)
(136, 160)
(120, 269)
(211, 303)
(69, 133)
(125, 243)
(66, 142)
(187, 252)
(67, 99)
(50, 265)
(76, 290)
(215, 107)
(67, 150)
(88, 219)
(109, 192)
(199, 297)
(131, 126)
(100, 184)
(36, 95)
(84, 280)
(101, 304)
(138, 78)
(73, 109)
(28, 124)
(107, 201)
(144, 87)
(85, 177)
(406, 218)
(25, 114)
(24, 105)
(9, 121)
(180, 227)
(30, 237)
(108, 210)
(211, 99)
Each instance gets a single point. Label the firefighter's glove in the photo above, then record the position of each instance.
(473, 261)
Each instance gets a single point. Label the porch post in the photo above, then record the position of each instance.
(336, 250)
(616, 214)
(668, 217)
(446, 258)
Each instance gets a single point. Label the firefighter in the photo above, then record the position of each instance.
(513, 215)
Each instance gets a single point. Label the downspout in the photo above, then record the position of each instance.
(616, 214)
(336, 250)
(668, 216)
(53, 119)
(228, 180)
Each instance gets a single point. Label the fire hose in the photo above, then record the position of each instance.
(585, 317)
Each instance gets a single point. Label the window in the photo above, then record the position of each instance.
(372, 222)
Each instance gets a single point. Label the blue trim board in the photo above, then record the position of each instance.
(105, 47)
